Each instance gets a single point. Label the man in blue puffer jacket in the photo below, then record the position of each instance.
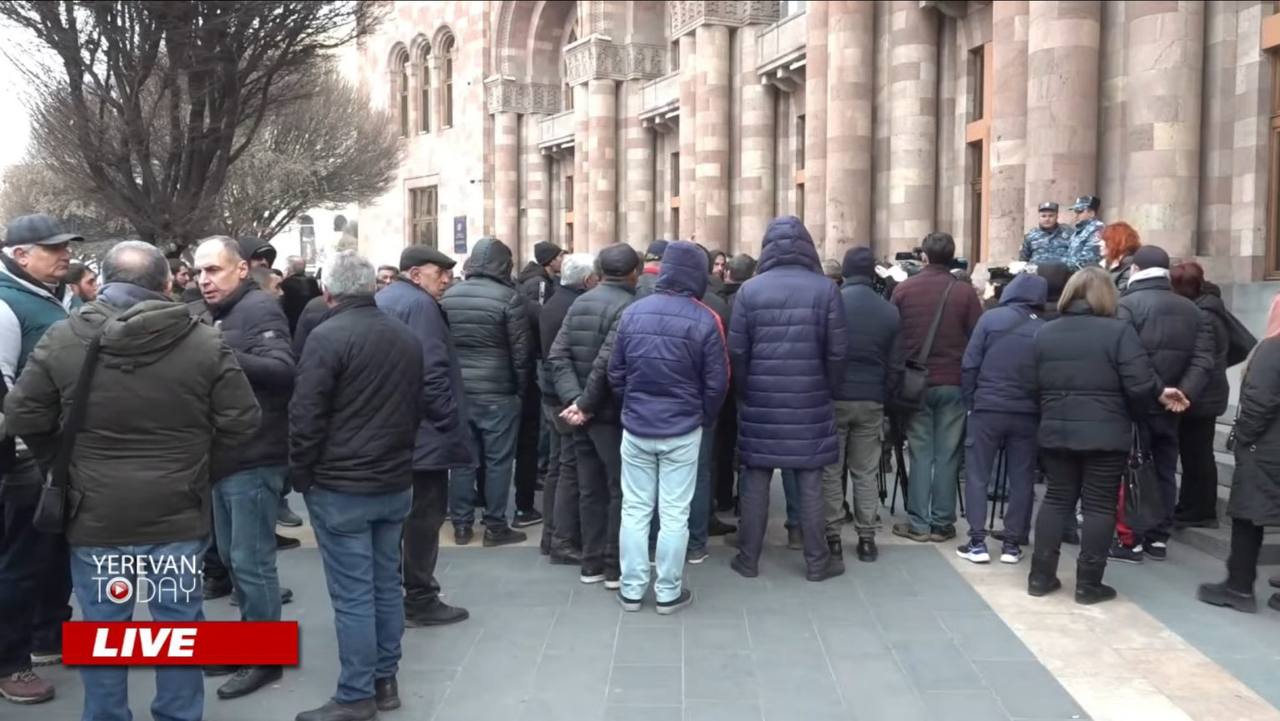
(670, 367)
(787, 341)
(994, 374)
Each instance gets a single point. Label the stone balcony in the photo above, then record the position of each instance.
(780, 51)
(555, 132)
(660, 102)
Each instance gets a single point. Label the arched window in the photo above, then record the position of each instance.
(400, 86)
(424, 91)
(566, 92)
(446, 84)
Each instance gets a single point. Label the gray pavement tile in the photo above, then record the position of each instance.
(981, 635)
(719, 676)
(790, 629)
(1027, 690)
(964, 706)
(594, 634)
(1262, 674)
(853, 640)
(809, 685)
(649, 645)
(645, 685)
(719, 636)
(721, 710)
(799, 707)
(908, 619)
(644, 713)
(936, 665)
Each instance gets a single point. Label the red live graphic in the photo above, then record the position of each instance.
(208, 643)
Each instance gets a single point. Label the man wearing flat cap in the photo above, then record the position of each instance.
(35, 575)
(1086, 239)
(442, 443)
(1048, 242)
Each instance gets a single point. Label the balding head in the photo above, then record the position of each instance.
(221, 267)
(137, 263)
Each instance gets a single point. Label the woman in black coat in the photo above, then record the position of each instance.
(1198, 494)
(1093, 379)
(1255, 488)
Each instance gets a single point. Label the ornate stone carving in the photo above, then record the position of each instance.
(689, 14)
(506, 94)
(597, 56)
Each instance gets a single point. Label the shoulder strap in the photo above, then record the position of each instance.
(925, 349)
(75, 417)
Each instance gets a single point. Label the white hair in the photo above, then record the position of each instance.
(576, 268)
(349, 275)
(12, 250)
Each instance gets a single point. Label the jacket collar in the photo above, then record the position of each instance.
(23, 281)
(619, 283)
(348, 304)
(223, 308)
(1148, 283)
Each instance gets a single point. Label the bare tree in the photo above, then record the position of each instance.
(326, 149)
(154, 101)
(33, 187)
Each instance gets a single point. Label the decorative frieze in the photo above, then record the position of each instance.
(597, 57)
(506, 94)
(686, 15)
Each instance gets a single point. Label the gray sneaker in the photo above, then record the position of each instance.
(25, 687)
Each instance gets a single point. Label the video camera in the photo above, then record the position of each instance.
(905, 265)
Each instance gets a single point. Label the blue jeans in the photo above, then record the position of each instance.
(935, 436)
(665, 470)
(179, 689)
(790, 496)
(245, 505)
(359, 539)
(700, 511)
(495, 423)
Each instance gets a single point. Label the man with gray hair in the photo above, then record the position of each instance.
(165, 407)
(351, 444)
(297, 289)
(561, 532)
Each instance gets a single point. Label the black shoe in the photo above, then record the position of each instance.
(718, 527)
(1089, 586)
(525, 519)
(835, 547)
(904, 530)
(216, 588)
(215, 671)
(249, 679)
(613, 579)
(386, 694)
(1124, 554)
(1219, 594)
(286, 597)
(503, 536)
(867, 551)
(795, 539)
(284, 543)
(462, 535)
(285, 515)
(438, 613)
(565, 557)
(1156, 550)
(591, 575)
(834, 567)
(666, 608)
(334, 711)
(742, 569)
(1043, 579)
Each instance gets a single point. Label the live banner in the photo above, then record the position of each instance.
(153, 643)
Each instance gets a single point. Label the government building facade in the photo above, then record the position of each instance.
(588, 123)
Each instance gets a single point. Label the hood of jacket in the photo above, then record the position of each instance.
(135, 336)
(1056, 275)
(13, 276)
(490, 258)
(787, 242)
(533, 270)
(1026, 289)
(684, 270)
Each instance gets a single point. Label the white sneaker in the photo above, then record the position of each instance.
(975, 551)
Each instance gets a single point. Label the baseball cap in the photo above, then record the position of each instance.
(1048, 207)
(416, 255)
(1086, 201)
(37, 229)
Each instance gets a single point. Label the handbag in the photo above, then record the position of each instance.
(1143, 507)
(915, 372)
(1240, 341)
(51, 509)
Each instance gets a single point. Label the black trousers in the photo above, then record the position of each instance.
(1093, 479)
(1242, 564)
(526, 474)
(1198, 496)
(421, 540)
(1160, 434)
(753, 495)
(725, 453)
(561, 524)
(599, 451)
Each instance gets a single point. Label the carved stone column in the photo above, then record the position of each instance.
(1010, 209)
(688, 135)
(638, 161)
(913, 119)
(850, 60)
(756, 172)
(535, 190)
(711, 220)
(815, 119)
(581, 153)
(602, 160)
(506, 178)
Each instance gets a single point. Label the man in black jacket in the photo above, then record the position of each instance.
(490, 325)
(537, 283)
(1179, 340)
(297, 290)
(739, 270)
(561, 530)
(246, 502)
(351, 451)
(579, 359)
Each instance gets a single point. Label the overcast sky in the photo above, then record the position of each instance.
(13, 118)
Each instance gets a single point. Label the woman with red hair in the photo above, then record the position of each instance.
(1119, 242)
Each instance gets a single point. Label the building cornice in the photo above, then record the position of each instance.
(688, 15)
(506, 94)
(598, 57)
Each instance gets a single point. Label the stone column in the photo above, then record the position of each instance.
(581, 153)
(1162, 178)
(536, 190)
(506, 179)
(1010, 209)
(815, 123)
(602, 162)
(711, 144)
(755, 197)
(850, 65)
(638, 143)
(1062, 102)
(913, 123)
(688, 135)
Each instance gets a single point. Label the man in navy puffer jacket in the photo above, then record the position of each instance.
(994, 374)
(787, 341)
(670, 367)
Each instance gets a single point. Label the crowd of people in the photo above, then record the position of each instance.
(645, 397)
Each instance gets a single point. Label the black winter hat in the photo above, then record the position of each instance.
(1151, 256)
(859, 262)
(655, 251)
(619, 260)
(546, 251)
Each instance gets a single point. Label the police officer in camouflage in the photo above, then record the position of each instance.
(1086, 240)
(1048, 242)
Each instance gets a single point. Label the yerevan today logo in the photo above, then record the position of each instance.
(165, 578)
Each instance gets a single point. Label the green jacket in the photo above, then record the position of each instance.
(27, 309)
(167, 401)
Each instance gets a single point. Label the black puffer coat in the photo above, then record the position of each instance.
(549, 322)
(1177, 336)
(1255, 488)
(1213, 399)
(490, 324)
(353, 417)
(1093, 378)
(537, 286)
(579, 372)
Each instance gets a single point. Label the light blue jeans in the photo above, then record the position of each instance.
(665, 471)
(935, 442)
(245, 506)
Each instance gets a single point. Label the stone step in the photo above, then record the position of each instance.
(1217, 542)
